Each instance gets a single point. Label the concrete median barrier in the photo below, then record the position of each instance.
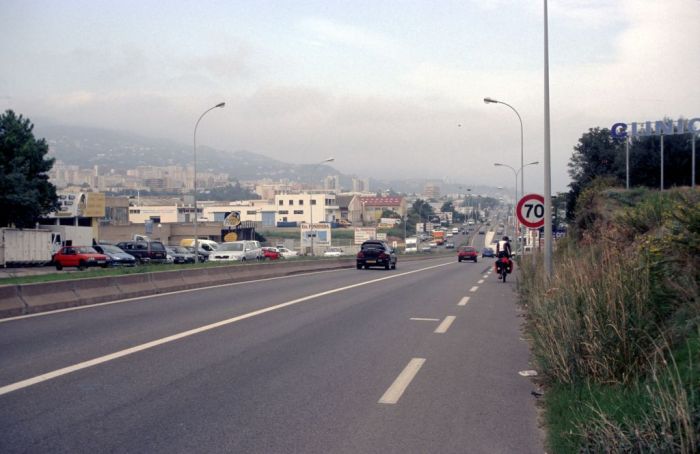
(10, 302)
(28, 298)
(168, 281)
(134, 285)
(97, 290)
(49, 296)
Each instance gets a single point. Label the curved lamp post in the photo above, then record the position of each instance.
(196, 239)
(522, 159)
(515, 203)
(311, 208)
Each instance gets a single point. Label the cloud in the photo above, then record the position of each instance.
(327, 31)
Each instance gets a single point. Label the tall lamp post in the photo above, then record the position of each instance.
(196, 238)
(311, 208)
(522, 159)
(515, 203)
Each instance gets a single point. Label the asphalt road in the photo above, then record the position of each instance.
(420, 359)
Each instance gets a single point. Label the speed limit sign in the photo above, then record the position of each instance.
(530, 211)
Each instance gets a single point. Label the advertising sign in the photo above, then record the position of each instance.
(80, 204)
(94, 205)
(530, 211)
(321, 234)
(363, 234)
(655, 128)
(381, 236)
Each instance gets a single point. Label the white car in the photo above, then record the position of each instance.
(287, 253)
(333, 252)
(237, 251)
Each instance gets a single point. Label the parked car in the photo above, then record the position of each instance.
(79, 256)
(203, 255)
(376, 253)
(467, 253)
(488, 252)
(145, 251)
(271, 253)
(287, 253)
(117, 257)
(180, 254)
(333, 252)
(237, 251)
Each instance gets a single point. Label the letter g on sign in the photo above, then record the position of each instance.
(618, 131)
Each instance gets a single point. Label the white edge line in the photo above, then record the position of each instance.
(128, 351)
(463, 301)
(156, 295)
(396, 390)
(419, 319)
(445, 325)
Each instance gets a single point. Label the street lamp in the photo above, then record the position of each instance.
(515, 203)
(196, 239)
(522, 159)
(311, 207)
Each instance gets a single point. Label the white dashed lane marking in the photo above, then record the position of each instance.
(474, 289)
(445, 324)
(463, 301)
(396, 390)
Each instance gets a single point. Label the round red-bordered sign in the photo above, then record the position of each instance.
(530, 211)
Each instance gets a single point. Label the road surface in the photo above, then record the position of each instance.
(421, 359)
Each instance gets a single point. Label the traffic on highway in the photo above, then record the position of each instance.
(423, 358)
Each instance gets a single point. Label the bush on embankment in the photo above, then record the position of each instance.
(615, 331)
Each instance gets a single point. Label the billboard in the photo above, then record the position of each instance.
(363, 234)
(321, 234)
(80, 204)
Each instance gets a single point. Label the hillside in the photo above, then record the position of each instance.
(615, 332)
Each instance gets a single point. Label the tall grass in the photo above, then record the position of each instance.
(609, 326)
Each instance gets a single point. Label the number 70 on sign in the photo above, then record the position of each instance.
(530, 211)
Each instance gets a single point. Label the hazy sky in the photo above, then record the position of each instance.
(380, 85)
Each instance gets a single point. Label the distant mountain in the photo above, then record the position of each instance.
(87, 147)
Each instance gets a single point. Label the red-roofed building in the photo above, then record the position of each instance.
(373, 207)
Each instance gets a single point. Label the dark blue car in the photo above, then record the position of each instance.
(117, 257)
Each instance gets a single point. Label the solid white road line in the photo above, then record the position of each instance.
(474, 289)
(157, 295)
(418, 319)
(481, 281)
(396, 390)
(445, 325)
(148, 345)
(463, 301)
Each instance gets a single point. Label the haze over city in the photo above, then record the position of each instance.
(390, 89)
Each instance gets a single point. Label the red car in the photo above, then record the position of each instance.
(80, 256)
(467, 253)
(270, 253)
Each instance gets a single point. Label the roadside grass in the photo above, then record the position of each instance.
(615, 332)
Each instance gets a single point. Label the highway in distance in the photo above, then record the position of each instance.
(420, 359)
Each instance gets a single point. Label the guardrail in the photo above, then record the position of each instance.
(21, 299)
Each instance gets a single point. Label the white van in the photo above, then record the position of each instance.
(237, 251)
(207, 245)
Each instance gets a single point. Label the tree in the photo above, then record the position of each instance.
(25, 191)
(599, 156)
